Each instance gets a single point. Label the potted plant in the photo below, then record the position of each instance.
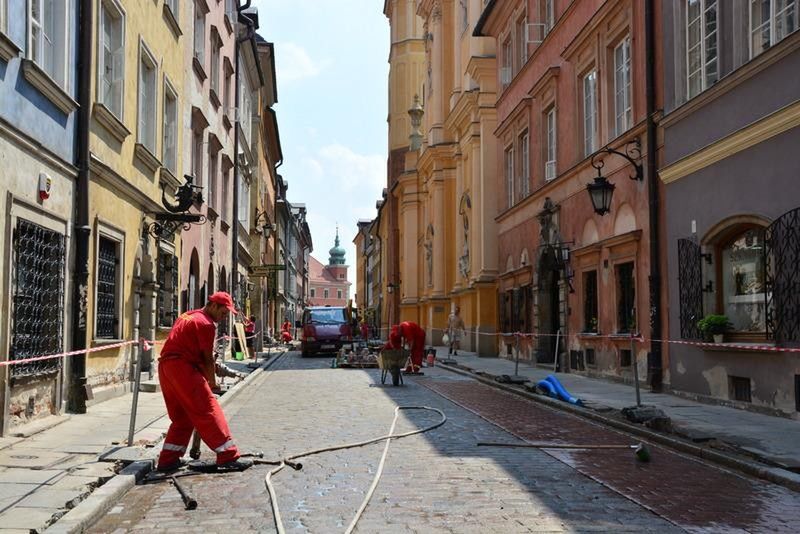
(714, 326)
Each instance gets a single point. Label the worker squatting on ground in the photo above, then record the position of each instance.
(186, 370)
(286, 331)
(409, 333)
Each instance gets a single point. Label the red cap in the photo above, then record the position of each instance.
(224, 299)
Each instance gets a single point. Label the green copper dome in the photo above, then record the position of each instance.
(337, 252)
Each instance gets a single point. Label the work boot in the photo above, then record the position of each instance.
(240, 464)
(171, 467)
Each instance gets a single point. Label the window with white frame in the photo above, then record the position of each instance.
(313, 293)
(244, 203)
(701, 45)
(549, 16)
(524, 165)
(509, 171)
(325, 293)
(771, 21)
(339, 294)
(216, 46)
(522, 43)
(111, 59)
(173, 6)
(623, 115)
(589, 84)
(147, 99)
(199, 33)
(507, 65)
(245, 104)
(550, 148)
(211, 193)
(197, 158)
(48, 29)
(169, 145)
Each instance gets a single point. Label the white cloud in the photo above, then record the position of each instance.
(293, 63)
(353, 171)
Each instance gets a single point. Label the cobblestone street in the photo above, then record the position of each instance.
(440, 481)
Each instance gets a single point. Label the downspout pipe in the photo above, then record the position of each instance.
(237, 96)
(76, 400)
(655, 369)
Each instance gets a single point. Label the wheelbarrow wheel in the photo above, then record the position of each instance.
(395, 376)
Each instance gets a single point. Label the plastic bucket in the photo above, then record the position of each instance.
(238, 356)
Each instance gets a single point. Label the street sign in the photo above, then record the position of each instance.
(261, 271)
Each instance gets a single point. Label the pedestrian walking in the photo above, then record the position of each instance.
(186, 370)
(250, 333)
(455, 329)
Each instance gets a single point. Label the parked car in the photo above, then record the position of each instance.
(324, 329)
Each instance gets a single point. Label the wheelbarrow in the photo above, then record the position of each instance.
(392, 361)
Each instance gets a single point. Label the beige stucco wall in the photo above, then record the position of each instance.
(124, 194)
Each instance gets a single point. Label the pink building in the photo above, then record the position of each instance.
(328, 283)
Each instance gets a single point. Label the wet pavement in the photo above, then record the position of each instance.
(441, 481)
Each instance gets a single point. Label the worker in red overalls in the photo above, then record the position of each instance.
(409, 333)
(286, 331)
(187, 375)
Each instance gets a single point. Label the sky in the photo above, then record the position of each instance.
(332, 68)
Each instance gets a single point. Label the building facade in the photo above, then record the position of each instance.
(446, 221)
(731, 122)
(572, 83)
(208, 154)
(328, 284)
(135, 143)
(406, 73)
(38, 125)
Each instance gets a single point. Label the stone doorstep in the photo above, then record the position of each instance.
(150, 386)
(102, 394)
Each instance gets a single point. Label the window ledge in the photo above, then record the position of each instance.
(146, 157)
(101, 342)
(198, 69)
(167, 178)
(212, 96)
(172, 22)
(8, 48)
(590, 336)
(48, 87)
(106, 118)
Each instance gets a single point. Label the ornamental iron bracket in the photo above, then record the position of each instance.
(167, 223)
(633, 153)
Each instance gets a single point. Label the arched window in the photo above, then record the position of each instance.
(741, 284)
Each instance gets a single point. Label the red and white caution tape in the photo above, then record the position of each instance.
(146, 345)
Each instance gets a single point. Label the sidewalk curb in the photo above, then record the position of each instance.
(101, 500)
(771, 474)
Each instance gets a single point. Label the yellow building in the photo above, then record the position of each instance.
(446, 216)
(136, 135)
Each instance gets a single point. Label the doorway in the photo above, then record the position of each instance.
(549, 317)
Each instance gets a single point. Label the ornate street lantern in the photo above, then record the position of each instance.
(601, 190)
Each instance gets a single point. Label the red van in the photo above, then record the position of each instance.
(324, 329)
